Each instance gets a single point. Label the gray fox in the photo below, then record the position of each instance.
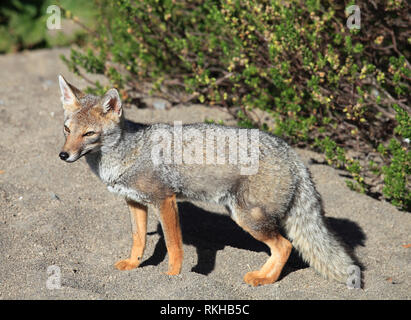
(154, 165)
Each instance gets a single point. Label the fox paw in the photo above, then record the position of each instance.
(172, 273)
(126, 264)
(255, 278)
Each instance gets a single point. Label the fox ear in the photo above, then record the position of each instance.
(69, 95)
(111, 102)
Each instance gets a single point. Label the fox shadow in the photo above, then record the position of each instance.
(210, 232)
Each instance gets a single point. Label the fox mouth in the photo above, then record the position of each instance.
(74, 159)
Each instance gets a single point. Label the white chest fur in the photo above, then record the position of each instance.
(110, 171)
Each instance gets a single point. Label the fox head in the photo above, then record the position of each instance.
(90, 122)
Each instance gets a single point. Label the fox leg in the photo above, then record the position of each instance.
(255, 223)
(172, 234)
(280, 251)
(138, 215)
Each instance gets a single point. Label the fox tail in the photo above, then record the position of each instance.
(306, 228)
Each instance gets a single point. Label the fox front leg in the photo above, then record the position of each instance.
(170, 224)
(138, 215)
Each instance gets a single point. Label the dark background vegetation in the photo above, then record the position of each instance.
(292, 68)
(23, 24)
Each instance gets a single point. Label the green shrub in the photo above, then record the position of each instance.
(316, 82)
(23, 24)
(397, 173)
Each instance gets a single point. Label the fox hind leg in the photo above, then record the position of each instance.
(280, 249)
(256, 223)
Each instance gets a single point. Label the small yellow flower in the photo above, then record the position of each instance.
(379, 40)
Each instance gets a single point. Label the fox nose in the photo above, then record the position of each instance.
(63, 155)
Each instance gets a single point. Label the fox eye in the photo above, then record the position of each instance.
(88, 134)
(66, 129)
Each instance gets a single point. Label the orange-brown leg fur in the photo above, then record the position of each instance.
(172, 233)
(138, 214)
(280, 251)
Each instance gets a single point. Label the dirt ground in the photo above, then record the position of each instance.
(58, 214)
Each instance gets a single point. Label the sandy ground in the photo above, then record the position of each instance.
(58, 214)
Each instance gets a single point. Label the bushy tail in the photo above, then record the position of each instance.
(306, 229)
